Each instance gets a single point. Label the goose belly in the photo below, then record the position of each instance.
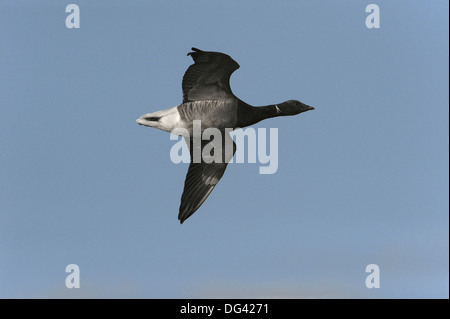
(212, 113)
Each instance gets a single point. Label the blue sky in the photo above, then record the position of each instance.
(361, 180)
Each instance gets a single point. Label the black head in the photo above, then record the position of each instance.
(293, 107)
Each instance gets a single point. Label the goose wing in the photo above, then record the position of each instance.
(204, 173)
(209, 77)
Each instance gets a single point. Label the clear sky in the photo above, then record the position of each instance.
(361, 180)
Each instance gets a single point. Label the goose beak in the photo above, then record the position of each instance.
(308, 108)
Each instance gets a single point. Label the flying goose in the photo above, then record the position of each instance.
(207, 97)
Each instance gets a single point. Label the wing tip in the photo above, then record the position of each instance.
(194, 49)
(185, 212)
(183, 216)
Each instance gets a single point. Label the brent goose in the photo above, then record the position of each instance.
(207, 97)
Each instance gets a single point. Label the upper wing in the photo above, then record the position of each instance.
(203, 176)
(209, 77)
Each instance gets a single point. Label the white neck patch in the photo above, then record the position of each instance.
(278, 109)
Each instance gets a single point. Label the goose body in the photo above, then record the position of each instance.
(207, 97)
